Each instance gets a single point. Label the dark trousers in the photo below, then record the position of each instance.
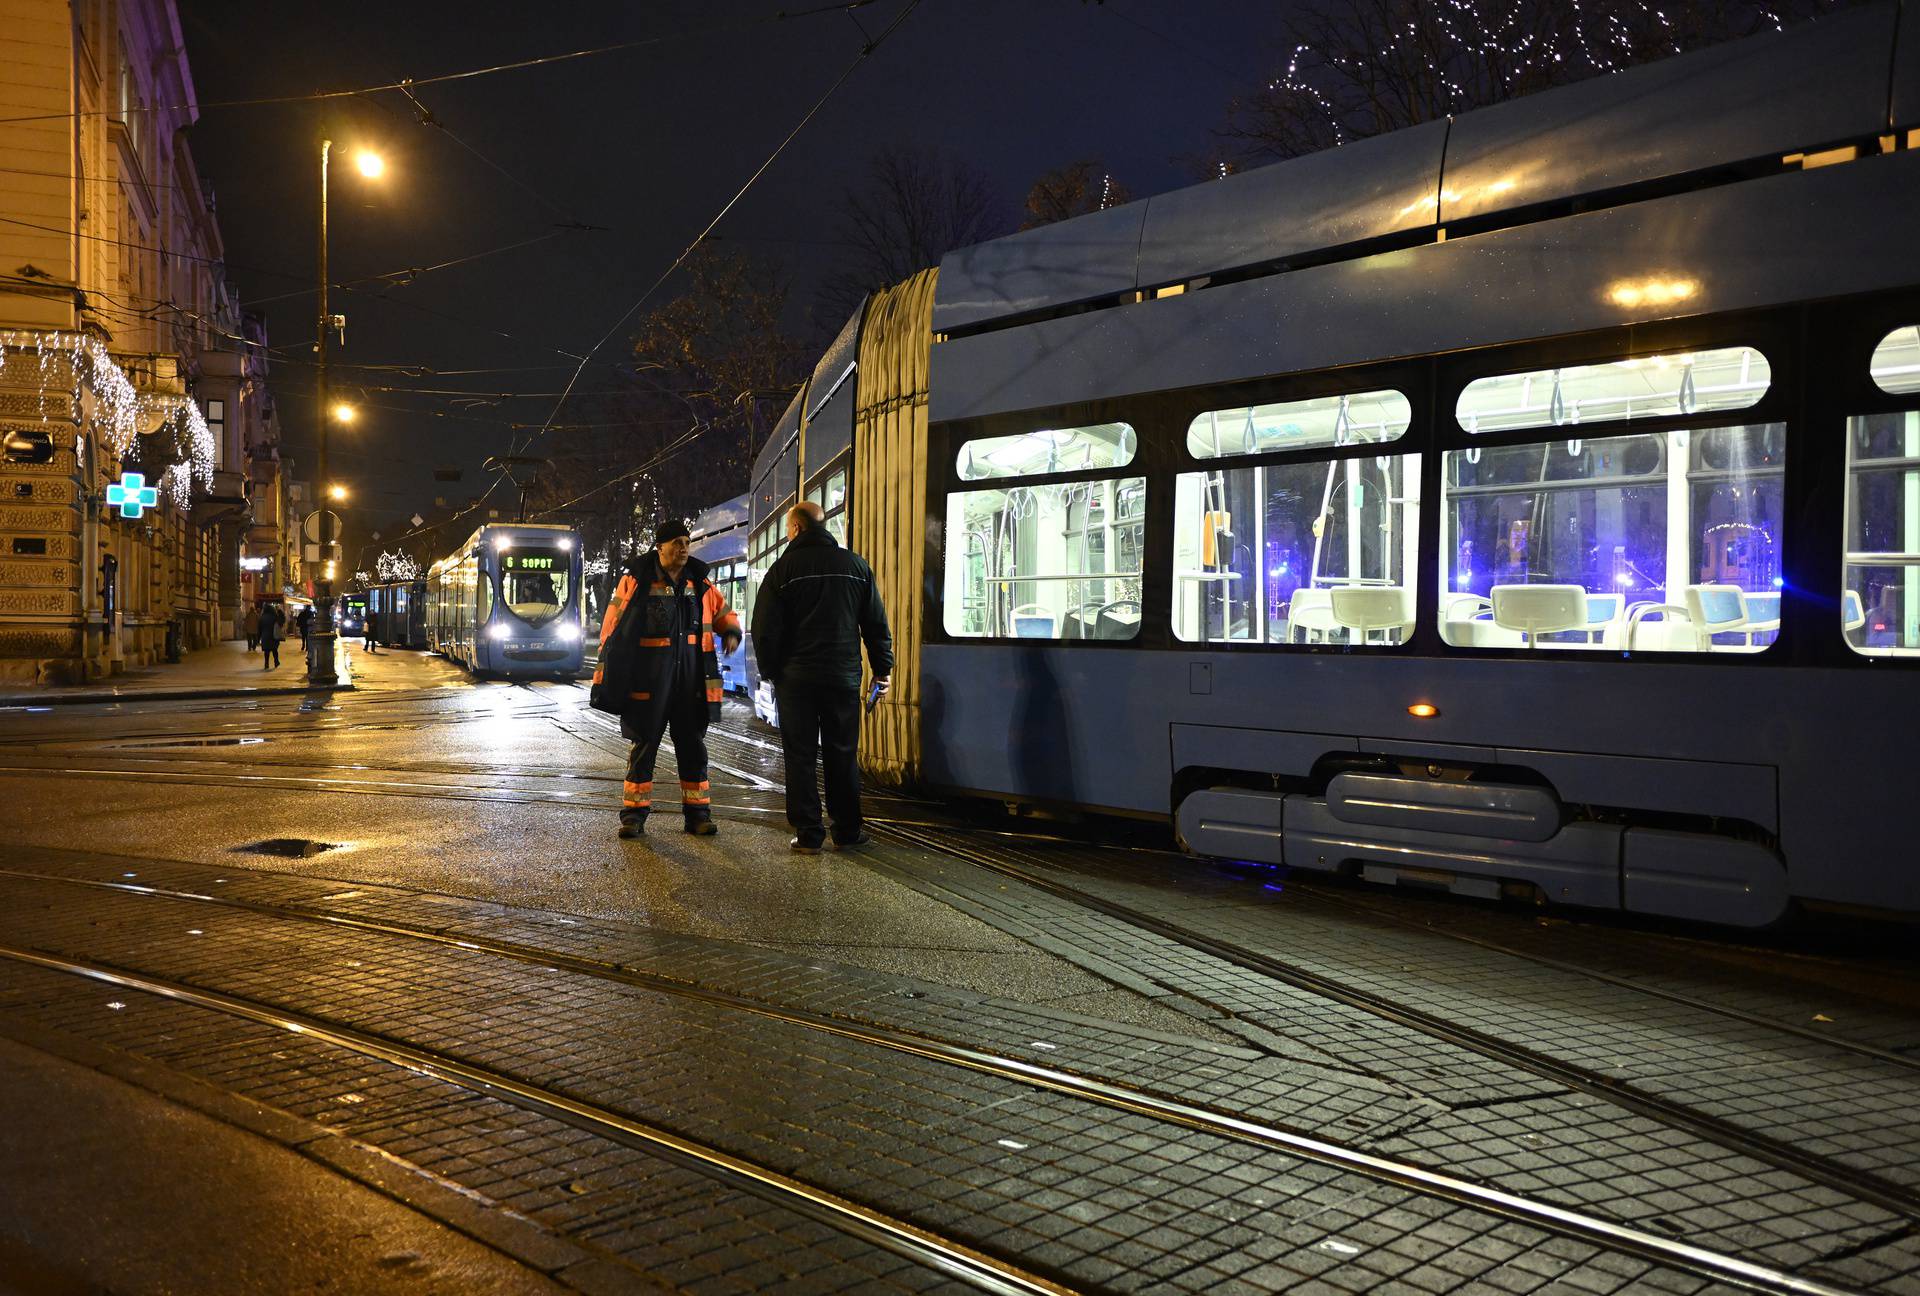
(269, 653)
(685, 717)
(821, 723)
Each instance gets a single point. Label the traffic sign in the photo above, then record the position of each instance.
(417, 520)
(315, 553)
(311, 523)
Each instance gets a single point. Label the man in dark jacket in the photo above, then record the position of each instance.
(816, 606)
(658, 672)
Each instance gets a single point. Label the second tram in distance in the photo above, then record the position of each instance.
(507, 602)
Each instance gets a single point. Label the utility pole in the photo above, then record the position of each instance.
(321, 670)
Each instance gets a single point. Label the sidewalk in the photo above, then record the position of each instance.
(225, 670)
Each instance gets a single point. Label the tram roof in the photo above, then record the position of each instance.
(1730, 109)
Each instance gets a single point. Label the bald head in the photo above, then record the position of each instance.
(804, 516)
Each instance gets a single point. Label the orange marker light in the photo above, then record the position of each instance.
(1425, 710)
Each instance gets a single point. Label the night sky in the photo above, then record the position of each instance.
(649, 142)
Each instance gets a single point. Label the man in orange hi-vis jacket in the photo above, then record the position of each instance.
(659, 673)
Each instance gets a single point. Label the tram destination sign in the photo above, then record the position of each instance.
(515, 561)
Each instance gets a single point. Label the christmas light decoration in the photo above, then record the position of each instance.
(118, 411)
(1356, 70)
(392, 565)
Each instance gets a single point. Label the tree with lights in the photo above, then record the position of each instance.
(1077, 189)
(1354, 68)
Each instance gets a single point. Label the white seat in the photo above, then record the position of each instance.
(1534, 610)
(1364, 609)
(1716, 609)
(1310, 612)
(1853, 611)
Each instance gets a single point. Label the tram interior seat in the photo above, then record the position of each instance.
(1533, 610)
(1031, 621)
(1606, 616)
(1365, 609)
(1310, 615)
(1708, 610)
(1119, 619)
(1853, 611)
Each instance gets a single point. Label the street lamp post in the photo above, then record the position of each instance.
(321, 670)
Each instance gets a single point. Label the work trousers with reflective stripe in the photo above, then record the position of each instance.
(686, 719)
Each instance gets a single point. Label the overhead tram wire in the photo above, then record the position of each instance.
(841, 6)
(866, 52)
(406, 275)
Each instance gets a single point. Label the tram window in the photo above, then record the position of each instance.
(1360, 418)
(1661, 386)
(1666, 540)
(1078, 449)
(1318, 552)
(1896, 361)
(1046, 562)
(533, 582)
(1880, 585)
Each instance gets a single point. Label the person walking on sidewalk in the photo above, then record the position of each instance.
(305, 622)
(658, 672)
(367, 629)
(250, 626)
(816, 606)
(272, 621)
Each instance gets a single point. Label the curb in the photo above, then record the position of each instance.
(160, 695)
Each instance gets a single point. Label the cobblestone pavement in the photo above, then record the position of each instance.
(391, 933)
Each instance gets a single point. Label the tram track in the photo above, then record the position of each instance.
(978, 1269)
(1596, 1230)
(1896, 1198)
(1323, 893)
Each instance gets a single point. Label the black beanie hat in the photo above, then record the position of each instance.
(671, 530)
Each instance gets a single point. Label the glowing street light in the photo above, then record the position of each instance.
(345, 413)
(336, 491)
(370, 163)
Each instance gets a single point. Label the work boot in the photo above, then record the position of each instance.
(804, 845)
(859, 838)
(700, 821)
(632, 825)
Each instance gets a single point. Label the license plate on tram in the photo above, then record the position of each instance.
(538, 644)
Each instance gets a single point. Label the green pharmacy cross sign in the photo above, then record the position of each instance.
(132, 494)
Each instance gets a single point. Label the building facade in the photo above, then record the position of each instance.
(137, 424)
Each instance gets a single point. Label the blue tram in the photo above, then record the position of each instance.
(720, 540)
(398, 611)
(507, 602)
(1522, 504)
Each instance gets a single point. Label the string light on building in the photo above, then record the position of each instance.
(110, 407)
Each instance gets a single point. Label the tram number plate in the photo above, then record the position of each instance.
(535, 646)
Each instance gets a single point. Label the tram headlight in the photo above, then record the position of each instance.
(569, 632)
(566, 543)
(498, 630)
(502, 543)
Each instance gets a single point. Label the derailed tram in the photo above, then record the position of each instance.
(507, 602)
(1523, 504)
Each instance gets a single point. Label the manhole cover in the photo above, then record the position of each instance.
(289, 847)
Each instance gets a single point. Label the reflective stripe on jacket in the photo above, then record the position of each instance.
(673, 626)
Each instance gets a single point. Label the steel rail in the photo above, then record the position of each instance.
(978, 1269)
(1605, 1233)
(1322, 892)
(1408, 923)
(1859, 1184)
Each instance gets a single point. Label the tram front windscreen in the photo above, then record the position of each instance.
(533, 583)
